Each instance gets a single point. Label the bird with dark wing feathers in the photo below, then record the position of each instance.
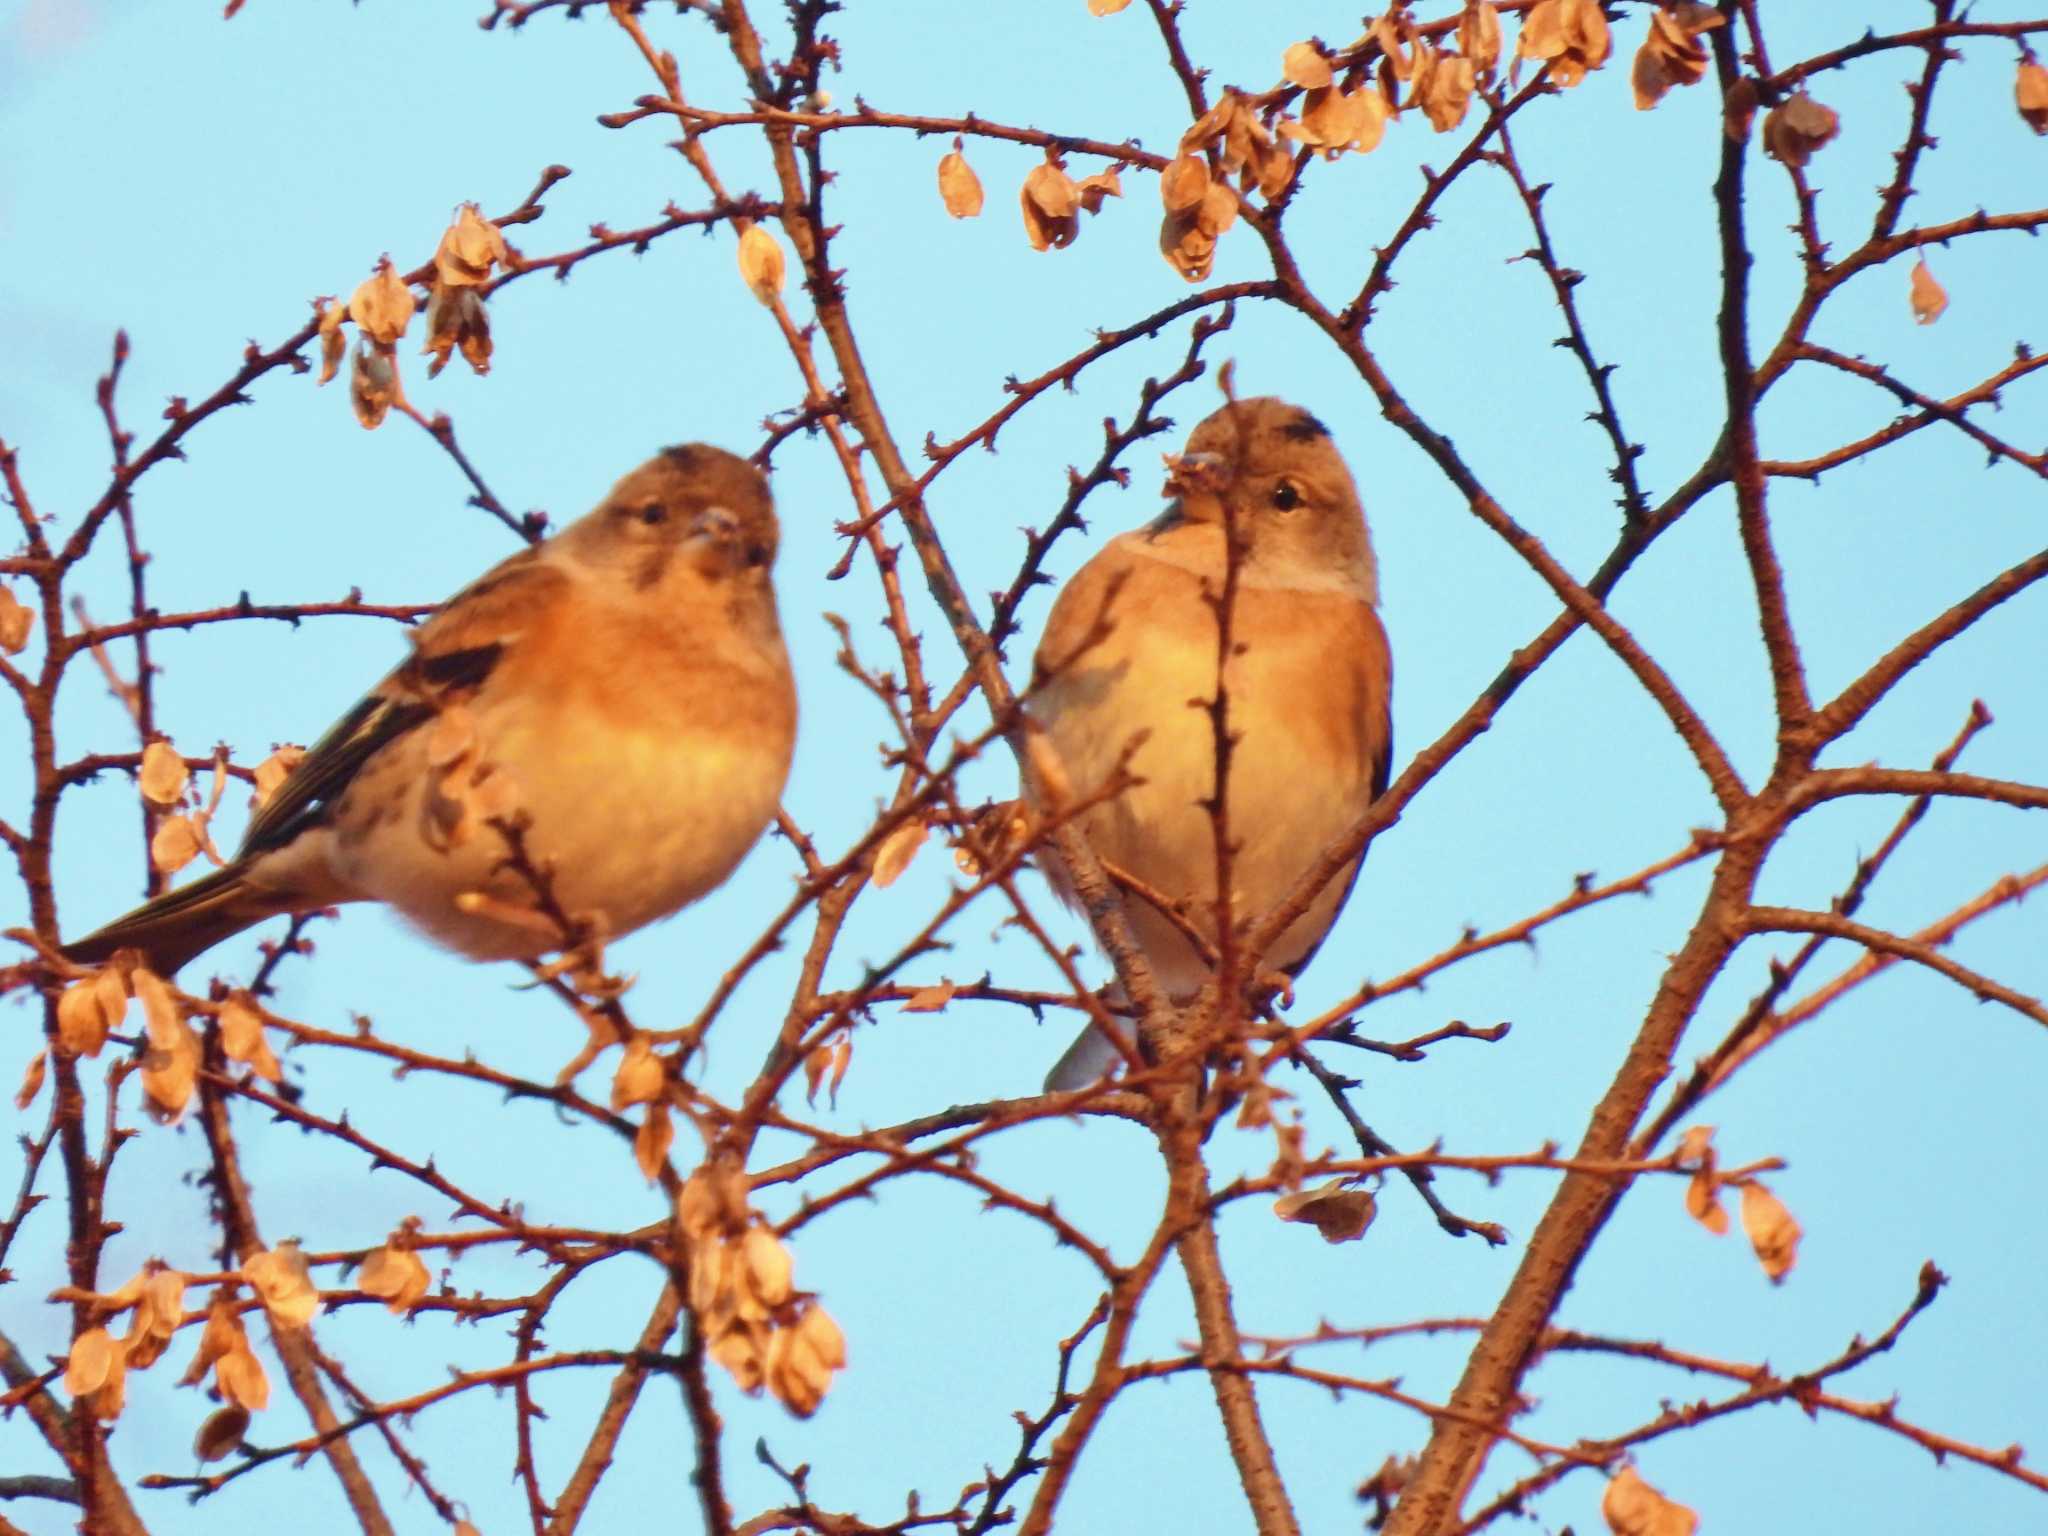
(621, 687)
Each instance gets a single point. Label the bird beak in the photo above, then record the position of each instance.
(1195, 473)
(714, 523)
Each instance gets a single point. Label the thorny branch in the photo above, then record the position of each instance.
(1175, 1091)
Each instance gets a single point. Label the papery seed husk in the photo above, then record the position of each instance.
(1218, 210)
(897, 850)
(242, 1037)
(82, 1022)
(1184, 183)
(1586, 24)
(1186, 249)
(223, 1332)
(1542, 35)
(1045, 232)
(1387, 34)
(1738, 109)
(468, 248)
(1211, 125)
(382, 305)
(1798, 126)
(1703, 1203)
(1101, 185)
(175, 844)
(17, 621)
(1479, 35)
(769, 1266)
(1811, 120)
(1304, 65)
(640, 1076)
(333, 340)
(652, 1141)
(1340, 1214)
(164, 775)
(1631, 1507)
(1449, 93)
(272, 772)
(1773, 1232)
(794, 1377)
(1929, 298)
(822, 1336)
(372, 384)
(397, 1275)
(32, 1079)
(223, 1431)
(697, 1211)
(1648, 77)
(281, 1280)
(169, 1076)
(1056, 193)
(1275, 170)
(2030, 92)
(741, 1351)
(959, 187)
(241, 1378)
(160, 1013)
(761, 263)
(94, 1355)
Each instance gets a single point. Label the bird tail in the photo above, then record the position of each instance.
(1092, 1054)
(181, 924)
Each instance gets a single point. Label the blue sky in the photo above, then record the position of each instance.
(198, 183)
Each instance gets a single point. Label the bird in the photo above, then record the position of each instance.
(1129, 656)
(622, 689)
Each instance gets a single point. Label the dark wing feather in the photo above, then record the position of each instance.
(454, 652)
(311, 787)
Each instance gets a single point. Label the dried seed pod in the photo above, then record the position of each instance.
(1797, 126)
(1051, 203)
(372, 383)
(761, 265)
(2030, 92)
(164, 775)
(651, 1142)
(1773, 1232)
(1184, 183)
(468, 249)
(1928, 296)
(1479, 37)
(395, 1273)
(382, 305)
(1304, 65)
(1631, 1507)
(959, 187)
(222, 1432)
(1446, 95)
(456, 317)
(281, 1281)
(1738, 109)
(1339, 1213)
(17, 619)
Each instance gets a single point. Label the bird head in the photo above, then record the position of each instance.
(693, 508)
(1288, 489)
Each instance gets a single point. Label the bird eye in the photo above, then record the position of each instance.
(1286, 496)
(654, 512)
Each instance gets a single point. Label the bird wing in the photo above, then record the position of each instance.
(454, 652)
(1081, 614)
